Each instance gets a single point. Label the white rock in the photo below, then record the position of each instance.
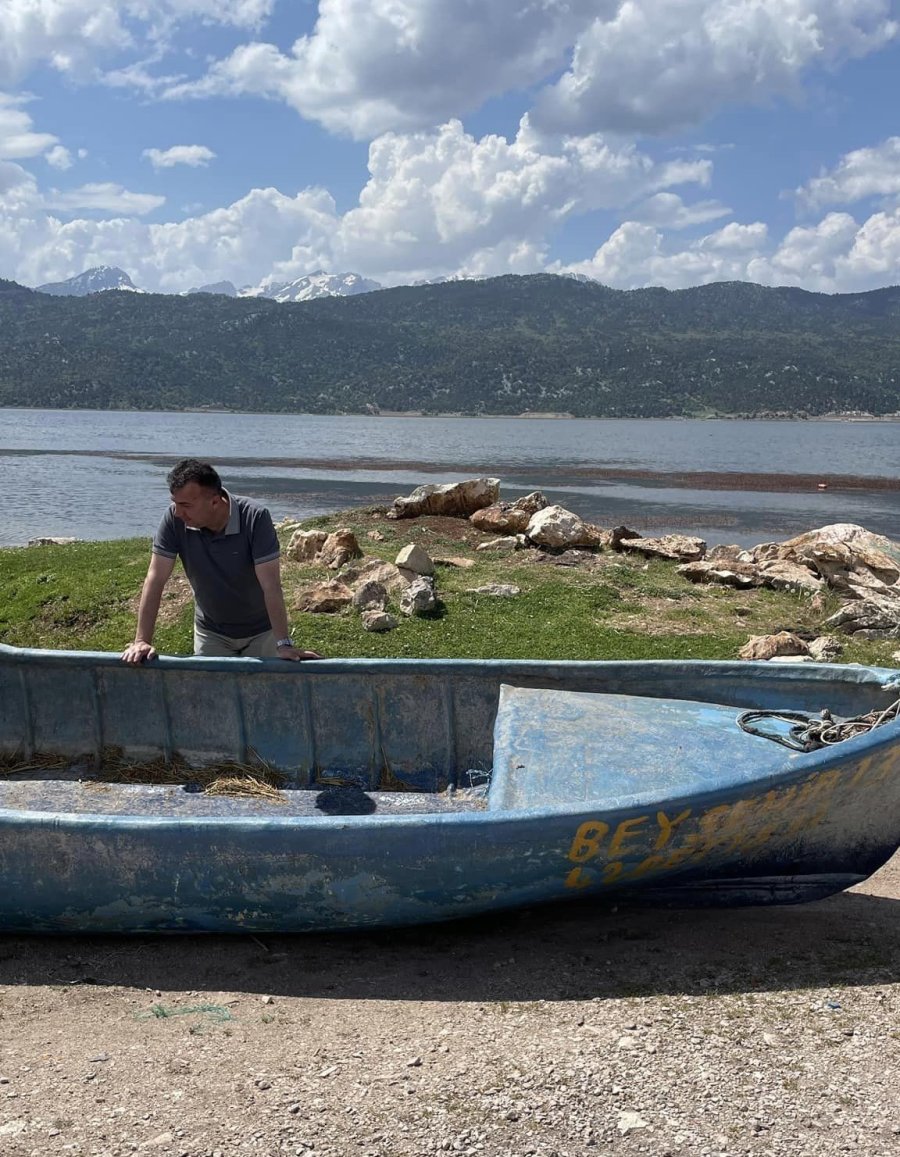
(378, 621)
(159, 1140)
(554, 526)
(507, 543)
(456, 499)
(370, 596)
(825, 648)
(339, 548)
(629, 1120)
(414, 558)
(305, 545)
(418, 598)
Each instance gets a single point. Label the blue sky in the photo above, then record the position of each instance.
(639, 142)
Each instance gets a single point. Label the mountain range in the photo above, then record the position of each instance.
(103, 278)
(505, 345)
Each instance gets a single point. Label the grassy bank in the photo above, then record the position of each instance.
(84, 596)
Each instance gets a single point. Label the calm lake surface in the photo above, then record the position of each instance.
(100, 474)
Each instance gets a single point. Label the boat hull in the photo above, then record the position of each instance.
(86, 857)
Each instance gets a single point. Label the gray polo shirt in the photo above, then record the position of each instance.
(220, 567)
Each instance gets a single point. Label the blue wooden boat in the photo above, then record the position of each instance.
(427, 790)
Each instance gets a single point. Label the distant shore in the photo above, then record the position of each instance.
(526, 415)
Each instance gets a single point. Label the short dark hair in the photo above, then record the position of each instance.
(193, 470)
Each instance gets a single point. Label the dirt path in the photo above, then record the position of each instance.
(549, 1034)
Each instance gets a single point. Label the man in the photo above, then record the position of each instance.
(229, 550)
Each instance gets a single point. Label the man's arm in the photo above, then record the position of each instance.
(158, 575)
(269, 575)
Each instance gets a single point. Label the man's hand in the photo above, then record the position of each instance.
(138, 652)
(296, 655)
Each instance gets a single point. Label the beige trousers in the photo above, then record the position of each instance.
(222, 647)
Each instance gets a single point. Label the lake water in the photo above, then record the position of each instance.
(101, 474)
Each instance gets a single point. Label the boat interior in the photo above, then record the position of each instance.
(82, 733)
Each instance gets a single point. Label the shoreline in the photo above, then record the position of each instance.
(849, 416)
(776, 482)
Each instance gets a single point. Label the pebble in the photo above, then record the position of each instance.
(629, 1120)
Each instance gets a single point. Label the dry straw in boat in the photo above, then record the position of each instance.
(256, 778)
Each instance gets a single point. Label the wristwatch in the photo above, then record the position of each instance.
(288, 642)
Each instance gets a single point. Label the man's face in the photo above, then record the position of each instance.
(198, 506)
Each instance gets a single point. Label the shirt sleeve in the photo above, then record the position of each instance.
(165, 541)
(264, 544)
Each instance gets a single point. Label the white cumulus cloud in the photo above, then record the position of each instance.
(191, 155)
(836, 255)
(669, 211)
(374, 65)
(833, 255)
(636, 255)
(104, 197)
(18, 192)
(267, 231)
(869, 172)
(371, 66)
(653, 65)
(444, 197)
(17, 135)
(73, 35)
(59, 157)
(440, 202)
(239, 242)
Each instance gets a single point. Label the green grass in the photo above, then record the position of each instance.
(74, 596)
(84, 596)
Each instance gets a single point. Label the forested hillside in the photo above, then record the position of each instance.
(502, 346)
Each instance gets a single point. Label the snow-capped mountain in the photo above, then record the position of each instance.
(314, 285)
(318, 284)
(96, 280)
(450, 277)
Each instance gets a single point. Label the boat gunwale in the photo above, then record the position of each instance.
(888, 678)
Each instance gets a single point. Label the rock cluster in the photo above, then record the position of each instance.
(367, 586)
(863, 568)
(843, 557)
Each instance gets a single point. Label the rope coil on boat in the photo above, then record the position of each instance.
(809, 732)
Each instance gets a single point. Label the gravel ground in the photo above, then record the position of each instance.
(586, 1030)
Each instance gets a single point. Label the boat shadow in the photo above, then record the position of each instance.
(575, 952)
